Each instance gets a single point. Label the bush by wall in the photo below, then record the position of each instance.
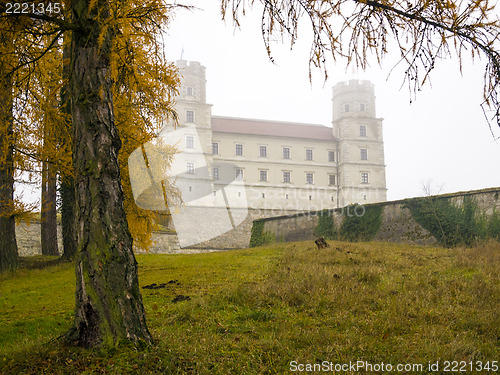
(361, 223)
(494, 225)
(454, 224)
(258, 237)
(325, 226)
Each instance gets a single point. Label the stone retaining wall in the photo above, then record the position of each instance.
(397, 226)
(29, 238)
(397, 223)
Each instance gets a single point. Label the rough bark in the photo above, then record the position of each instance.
(9, 257)
(108, 301)
(48, 211)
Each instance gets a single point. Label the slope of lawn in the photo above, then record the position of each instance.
(268, 309)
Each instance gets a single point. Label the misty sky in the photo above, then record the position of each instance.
(441, 138)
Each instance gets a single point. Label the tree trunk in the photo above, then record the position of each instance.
(108, 300)
(48, 211)
(9, 257)
(67, 185)
(49, 186)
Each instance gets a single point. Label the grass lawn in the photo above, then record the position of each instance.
(270, 309)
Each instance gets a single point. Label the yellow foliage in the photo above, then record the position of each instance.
(145, 85)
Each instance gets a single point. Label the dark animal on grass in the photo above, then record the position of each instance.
(321, 243)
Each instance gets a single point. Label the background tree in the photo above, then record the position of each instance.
(8, 246)
(19, 46)
(53, 158)
(66, 175)
(143, 102)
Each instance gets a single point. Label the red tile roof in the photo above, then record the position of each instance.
(271, 128)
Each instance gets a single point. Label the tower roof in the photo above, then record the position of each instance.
(271, 128)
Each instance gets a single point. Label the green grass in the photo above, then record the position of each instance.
(254, 311)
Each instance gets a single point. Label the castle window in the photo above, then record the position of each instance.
(239, 174)
(263, 175)
(239, 149)
(190, 168)
(189, 91)
(346, 107)
(309, 154)
(309, 178)
(362, 107)
(263, 152)
(331, 179)
(215, 173)
(364, 178)
(286, 176)
(215, 148)
(364, 154)
(189, 141)
(189, 116)
(331, 155)
(362, 131)
(286, 152)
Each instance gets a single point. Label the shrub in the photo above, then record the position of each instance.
(361, 225)
(493, 230)
(449, 223)
(325, 226)
(258, 237)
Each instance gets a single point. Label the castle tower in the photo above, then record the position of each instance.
(360, 162)
(191, 106)
(193, 135)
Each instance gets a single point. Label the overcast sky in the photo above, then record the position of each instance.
(442, 137)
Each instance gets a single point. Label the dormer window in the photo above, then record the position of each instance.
(189, 91)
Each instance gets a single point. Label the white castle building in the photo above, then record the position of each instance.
(286, 165)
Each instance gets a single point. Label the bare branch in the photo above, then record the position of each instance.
(424, 31)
